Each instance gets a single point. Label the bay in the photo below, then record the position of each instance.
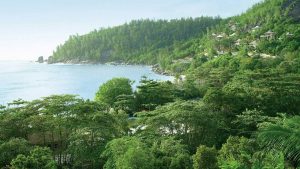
(29, 80)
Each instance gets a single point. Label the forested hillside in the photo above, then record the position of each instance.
(135, 42)
(267, 33)
(268, 30)
(236, 108)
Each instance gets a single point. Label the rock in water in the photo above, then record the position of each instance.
(40, 59)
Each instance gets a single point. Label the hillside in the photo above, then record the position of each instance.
(237, 107)
(136, 42)
(267, 30)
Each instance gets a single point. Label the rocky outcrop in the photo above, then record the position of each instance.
(157, 69)
(40, 59)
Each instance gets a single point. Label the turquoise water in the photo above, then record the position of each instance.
(28, 80)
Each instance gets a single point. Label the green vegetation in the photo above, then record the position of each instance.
(110, 92)
(38, 158)
(237, 107)
(139, 41)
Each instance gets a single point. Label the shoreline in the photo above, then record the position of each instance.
(155, 68)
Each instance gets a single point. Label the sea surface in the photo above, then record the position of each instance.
(28, 80)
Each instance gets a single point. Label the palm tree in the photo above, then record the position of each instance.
(283, 136)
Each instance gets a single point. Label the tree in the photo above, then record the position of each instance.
(284, 136)
(170, 153)
(39, 158)
(88, 142)
(151, 94)
(269, 160)
(268, 90)
(189, 121)
(237, 153)
(129, 153)
(139, 41)
(248, 122)
(108, 92)
(125, 103)
(9, 150)
(205, 157)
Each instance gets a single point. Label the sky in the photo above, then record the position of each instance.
(32, 28)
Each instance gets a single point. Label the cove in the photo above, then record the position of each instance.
(29, 80)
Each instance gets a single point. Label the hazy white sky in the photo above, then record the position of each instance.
(32, 28)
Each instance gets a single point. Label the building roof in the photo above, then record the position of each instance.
(269, 33)
(256, 27)
(232, 34)
(289, 34)
(253, 43)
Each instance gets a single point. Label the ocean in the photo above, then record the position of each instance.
(29, 80)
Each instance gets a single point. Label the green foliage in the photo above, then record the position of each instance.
(75, 129)
(269, 160)
(236, 82)
(39, 158)
(237, 153)
(129, 153)
(249, 121)
(205, 157)
(109, 92)
(126, 103)
(270, 91)
(171, 153)
(10, 149)
(87, 143)
(190, 121)
(151, 94)
(284, 136)
(135, 42)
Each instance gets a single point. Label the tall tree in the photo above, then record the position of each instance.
(109, 92)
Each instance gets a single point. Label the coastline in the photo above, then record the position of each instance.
(155, 68)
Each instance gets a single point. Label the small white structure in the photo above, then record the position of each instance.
(263, 55)
(269, 35)
(238, 42)
(233, 27)
(220, 52)
(235, 53)
(289, 34)
(220, 36)
(255, 28)
(232, 35)
(253, 44)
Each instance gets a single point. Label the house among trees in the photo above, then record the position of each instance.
(253, 44)
(220, 36)
(238, 42)
(289, 34)
(233, 28)
(232, 35)
(268, 35)
(263, 55)
(220, 52)
(255, 28)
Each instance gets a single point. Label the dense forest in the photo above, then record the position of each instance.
(236, 107)
(135, 42)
